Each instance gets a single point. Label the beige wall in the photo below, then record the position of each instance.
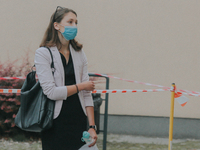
(145, 40)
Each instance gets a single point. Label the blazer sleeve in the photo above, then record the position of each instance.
(45, 76)
(85, 77)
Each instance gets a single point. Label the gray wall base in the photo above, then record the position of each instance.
(152, 126)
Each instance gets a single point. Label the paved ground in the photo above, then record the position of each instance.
(123, 142)
(115, 142)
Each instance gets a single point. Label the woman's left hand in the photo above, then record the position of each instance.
(93, 134)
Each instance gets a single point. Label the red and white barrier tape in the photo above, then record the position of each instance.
(18, 91)
(191, 94)
(10, 90)
(129, 91)
(185, 91)
(11, 78)
(104, 75)
(96, 91)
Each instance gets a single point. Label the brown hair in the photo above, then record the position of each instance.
(51, 35)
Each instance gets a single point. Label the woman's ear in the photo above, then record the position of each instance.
(56, 26)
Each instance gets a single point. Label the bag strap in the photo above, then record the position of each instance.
(52, 63)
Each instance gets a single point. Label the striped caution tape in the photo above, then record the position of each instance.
(128, 91)
(95, 91)
(191, 93)
(104, 75)
(11, 78)
(10, 90)
(108, 91)
(181, 98)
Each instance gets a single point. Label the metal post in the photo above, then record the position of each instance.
(171, 118)
(105, 112)
(105, 116)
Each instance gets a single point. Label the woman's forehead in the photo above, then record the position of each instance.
(70, 15)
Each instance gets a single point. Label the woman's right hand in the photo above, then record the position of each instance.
(87, 85)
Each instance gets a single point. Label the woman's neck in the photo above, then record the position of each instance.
(64, 49)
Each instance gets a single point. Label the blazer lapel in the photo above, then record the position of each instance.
(57, 58)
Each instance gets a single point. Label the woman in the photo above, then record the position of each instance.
(69, 86)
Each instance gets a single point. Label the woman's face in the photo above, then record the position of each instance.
(69, 19)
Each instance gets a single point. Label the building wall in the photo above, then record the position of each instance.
(151, 126)
(150, 41)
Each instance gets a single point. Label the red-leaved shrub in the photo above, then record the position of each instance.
(10, 103)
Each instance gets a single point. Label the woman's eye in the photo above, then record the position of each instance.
(70, 22)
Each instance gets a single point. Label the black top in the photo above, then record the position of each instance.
(69, 125)
(72, 105)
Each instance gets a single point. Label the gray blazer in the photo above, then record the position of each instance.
(54, 85)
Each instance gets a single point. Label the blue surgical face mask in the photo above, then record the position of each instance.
(70, 32)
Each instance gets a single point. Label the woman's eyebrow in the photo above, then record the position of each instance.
(72, 19)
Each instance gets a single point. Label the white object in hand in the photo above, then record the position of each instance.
(86, 137)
